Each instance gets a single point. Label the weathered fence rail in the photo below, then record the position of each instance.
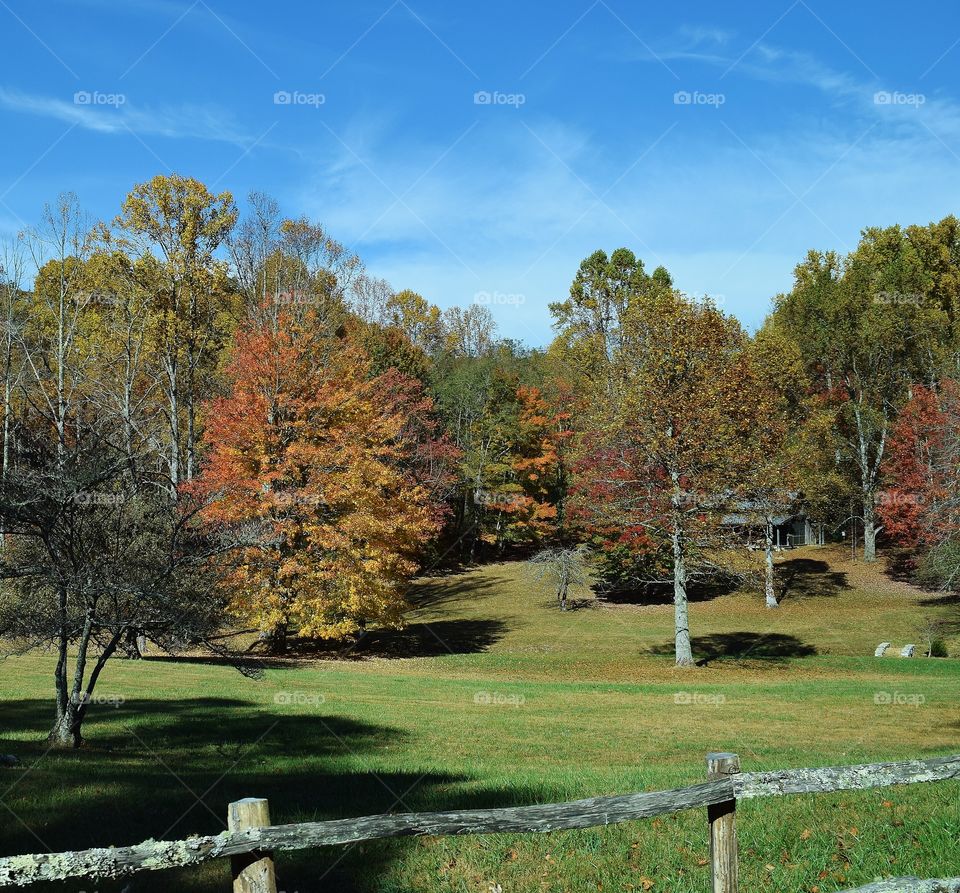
(912, 885)
(250, 839)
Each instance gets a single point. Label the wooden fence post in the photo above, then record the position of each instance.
(252, 872)
(723, 827)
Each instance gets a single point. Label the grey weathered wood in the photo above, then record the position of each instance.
(911, 885)
(881, 649)
(252, 872)
(723, 827)
(152, 855)
(844, 778)
(18, 871)
(907, 650)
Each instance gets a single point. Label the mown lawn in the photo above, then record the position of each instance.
(493, 697)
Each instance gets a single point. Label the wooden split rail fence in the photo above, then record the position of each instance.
(251, 840)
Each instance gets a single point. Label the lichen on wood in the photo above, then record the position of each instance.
(153, 855)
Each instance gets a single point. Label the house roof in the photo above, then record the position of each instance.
(743, 520)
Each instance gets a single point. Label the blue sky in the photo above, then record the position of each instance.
(721, 140)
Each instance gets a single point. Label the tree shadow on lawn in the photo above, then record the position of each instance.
(746, 646)
(420, 639)
(809, 578)
(901, 564)
(147, 764)
(662, 593)
(435, 592)
(949, 621)
(940, 600)
(433, 639)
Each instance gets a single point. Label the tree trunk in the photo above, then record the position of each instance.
(174, 441)
(278, 638)
(191, 424)
(131, 646)
(769, 589)
(7, 402)
(61, 362)
(128, 399)
(869, 528)
(66, 730)
(72, 703)
(60, 673)
(562, 594)
(680, 610)
(869, 475)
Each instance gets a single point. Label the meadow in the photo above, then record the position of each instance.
(490, 697)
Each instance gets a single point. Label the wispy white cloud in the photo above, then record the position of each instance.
(514, 208)
(700, 35)
(919, 114)
(775, 64)
(114, 113)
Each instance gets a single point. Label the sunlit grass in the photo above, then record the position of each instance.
(531, 706)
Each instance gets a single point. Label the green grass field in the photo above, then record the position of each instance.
(492, 697)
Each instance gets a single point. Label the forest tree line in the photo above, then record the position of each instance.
(219, 420)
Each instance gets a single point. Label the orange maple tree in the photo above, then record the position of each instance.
(319, 471)
(539, 464)
(522, 472)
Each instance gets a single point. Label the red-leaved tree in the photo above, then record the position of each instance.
(919, 507)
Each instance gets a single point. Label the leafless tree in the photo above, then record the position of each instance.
(562, 568)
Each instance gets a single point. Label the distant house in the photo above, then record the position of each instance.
(791, 527)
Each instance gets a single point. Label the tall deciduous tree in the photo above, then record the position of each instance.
(667, 448)
(773, 467)
(315, 459)
(182, 224)
(95, 551)
(590, 321)
(417, 318)
(57, 328)
(920, 504)
(868, 326)
(13, 304)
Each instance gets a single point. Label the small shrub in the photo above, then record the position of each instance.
(938, 648)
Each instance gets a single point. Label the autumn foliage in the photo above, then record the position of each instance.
(528, 497)
(330, 477)
(920, 470)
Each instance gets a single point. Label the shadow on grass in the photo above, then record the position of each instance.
(809, 578)
(940, 600)
(250, 664)
(433, 639)
(418, 639)
(947, 623)
(166, 769)
(662, 593)
(901, 565)
(451, 588)
(750, 646)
